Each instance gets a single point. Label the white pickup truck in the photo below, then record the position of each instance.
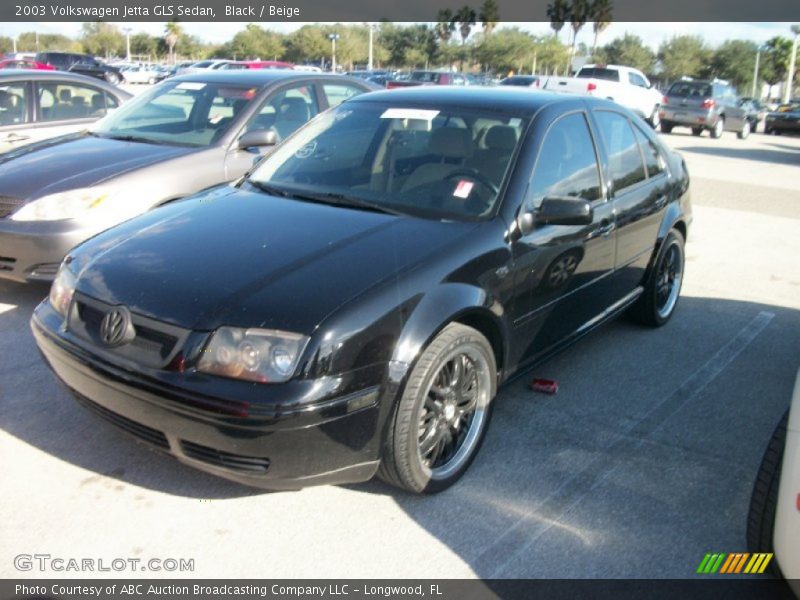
(625, 85)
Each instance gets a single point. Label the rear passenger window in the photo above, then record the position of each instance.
(338, 93)
(65, 102)
(624, 158)
(13, 104)
(652, 157)
(567, 164)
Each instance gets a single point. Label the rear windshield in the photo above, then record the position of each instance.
(686, 89)
(425, 76)
(598, 73)
(517, 80)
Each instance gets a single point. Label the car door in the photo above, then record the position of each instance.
(561, 272)
(638, 200)
(734, 113)
(284, 110)
(15, 114)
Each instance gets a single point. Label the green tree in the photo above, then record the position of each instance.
(6, 44)
(579, 12)
(558, 13)
(735, 61)
(172, 35)
(628, 50)
(446, 25)
(601, 13)
(308, 44)
(775, 60)
(489, 15)
(684, 55)
(509, 49)
(254, 42)
(465, 18)
(102, 39)
(143, 44)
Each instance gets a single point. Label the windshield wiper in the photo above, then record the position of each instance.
(131, 138)
(332, 198)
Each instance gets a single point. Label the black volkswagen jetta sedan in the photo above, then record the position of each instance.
(351, 306)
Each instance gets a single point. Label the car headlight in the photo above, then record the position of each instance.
(63, 205)
(62, 290)
(263, 355)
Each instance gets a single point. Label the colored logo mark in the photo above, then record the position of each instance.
(734, 562)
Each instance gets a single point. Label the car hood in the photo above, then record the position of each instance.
(75, 161)
(247, 259)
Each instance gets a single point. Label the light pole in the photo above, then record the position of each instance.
(127, 31)
(369, 60)
(787, 93)
(333, 37)
(755, 73)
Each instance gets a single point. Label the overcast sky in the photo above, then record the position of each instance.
(652, 33)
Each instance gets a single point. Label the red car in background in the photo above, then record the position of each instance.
(25, 63)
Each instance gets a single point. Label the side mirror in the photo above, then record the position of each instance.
(257, 138)
(558, 210)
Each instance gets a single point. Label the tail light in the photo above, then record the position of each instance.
(709, 103)
(664, 100)
(591, 86)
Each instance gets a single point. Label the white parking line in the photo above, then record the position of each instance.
(4, 308)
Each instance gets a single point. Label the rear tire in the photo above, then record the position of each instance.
(113, 78)
(437, 426)
(718, 129)
(764, 500)
(666, 127)
(663, 286)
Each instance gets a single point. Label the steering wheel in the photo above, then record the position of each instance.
(476, 177)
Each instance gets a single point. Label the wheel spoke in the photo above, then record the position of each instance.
(430, 441)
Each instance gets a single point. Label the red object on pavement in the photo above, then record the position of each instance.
(546, 386)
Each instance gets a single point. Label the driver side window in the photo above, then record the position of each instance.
(567, 163)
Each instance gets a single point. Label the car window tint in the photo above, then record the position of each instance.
(567, 163)
(13, 104)
(690, 89)
(338, 93)
(624, 158)
(286, 110)
(637, 80)
(652, 157)
(67, 101)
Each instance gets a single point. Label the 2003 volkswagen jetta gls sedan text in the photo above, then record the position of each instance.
(351, 307)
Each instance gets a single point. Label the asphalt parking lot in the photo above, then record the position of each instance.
(642, 463)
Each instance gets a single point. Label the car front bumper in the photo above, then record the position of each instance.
(32, 250)
(779, 124)
(284, 444)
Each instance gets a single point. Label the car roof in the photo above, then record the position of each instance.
(258, 77)
(502, 98)
(42, 75)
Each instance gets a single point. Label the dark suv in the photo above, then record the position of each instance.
(81, 63)
(701, 105)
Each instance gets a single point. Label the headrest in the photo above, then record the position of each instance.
(450, 141)
(98, 101)
(65, 94)
(294, 109)
(501, 137)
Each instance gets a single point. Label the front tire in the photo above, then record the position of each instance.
(439, 423)
(663, 286)
(745, 132)
(655, 117)
(764, 500)
(113, 78)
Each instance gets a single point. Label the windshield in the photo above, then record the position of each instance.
(440, 164)
(187, 113)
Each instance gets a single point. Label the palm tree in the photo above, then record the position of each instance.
(558, 13)
(445, 25)
(489, 15)
(578, 15)
(465, 18)
(172, 33)
(600, 13)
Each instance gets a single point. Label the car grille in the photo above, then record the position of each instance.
(144, 433)
(154, 345)
(226, 460)
(8, 204)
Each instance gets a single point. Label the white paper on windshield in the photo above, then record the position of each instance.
(409, 113)
(190, 85)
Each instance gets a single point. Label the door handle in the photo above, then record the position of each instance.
(16, 137)
(606, 227)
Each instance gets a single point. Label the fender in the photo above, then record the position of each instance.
(447, 303)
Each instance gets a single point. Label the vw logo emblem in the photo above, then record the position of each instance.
(116, 327)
